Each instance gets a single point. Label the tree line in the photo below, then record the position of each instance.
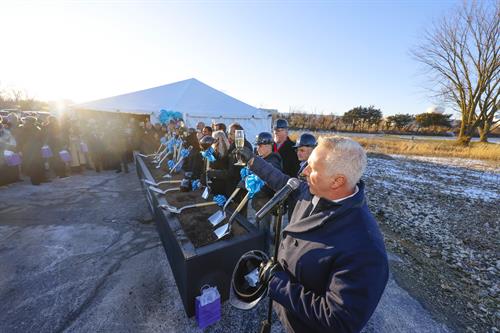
(371, 120)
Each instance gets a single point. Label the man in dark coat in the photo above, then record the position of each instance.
(332, 266)
(30, 144)
(284, 146)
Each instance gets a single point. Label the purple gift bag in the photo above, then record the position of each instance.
(65, 156)
(207, 306)
(11, 158)
(83, 147)
(46, 152)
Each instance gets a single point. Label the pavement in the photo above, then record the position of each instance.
(81, 254)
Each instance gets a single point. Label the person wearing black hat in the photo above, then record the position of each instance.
(304, 146)
(264, 145)
(284, 146)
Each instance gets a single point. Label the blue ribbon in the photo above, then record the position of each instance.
(220, 199)
(208, 154)
(195, 184)
(245, 172)
(170, 164)
(170, 145)
(184, 152)
(253, 184)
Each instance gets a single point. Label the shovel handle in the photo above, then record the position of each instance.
(239, 208)
(203, 204)
(231, 198)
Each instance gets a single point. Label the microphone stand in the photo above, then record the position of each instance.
(266, 324)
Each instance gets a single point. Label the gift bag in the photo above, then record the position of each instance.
(46, 152)
(207, 306)
(65, 156)
(83, 147)
(11, 158)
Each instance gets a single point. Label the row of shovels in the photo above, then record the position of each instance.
(217, 219)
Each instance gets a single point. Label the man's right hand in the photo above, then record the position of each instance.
(245, 153)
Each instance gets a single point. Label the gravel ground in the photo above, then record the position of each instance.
(81, 254)
(442, 217)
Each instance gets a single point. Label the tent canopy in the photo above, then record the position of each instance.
(194, 99)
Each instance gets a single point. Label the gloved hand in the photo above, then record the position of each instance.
(241, 184)
(245, 153)
(267, 270)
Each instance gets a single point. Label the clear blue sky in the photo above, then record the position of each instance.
(314, 56)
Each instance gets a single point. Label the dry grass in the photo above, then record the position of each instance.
(432, 148)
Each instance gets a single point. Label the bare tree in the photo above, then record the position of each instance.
(462, 55)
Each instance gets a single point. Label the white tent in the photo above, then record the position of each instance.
(194, 99)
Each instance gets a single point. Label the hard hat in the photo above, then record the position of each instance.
(280, 123)
(306, 140)
(246, 290)
(206, 142)
(264, 138)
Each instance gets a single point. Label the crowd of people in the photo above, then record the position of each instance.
(42, 148)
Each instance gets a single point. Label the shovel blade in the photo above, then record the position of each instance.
(222, 231)
(217, 217)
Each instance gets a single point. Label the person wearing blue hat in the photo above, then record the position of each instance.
(284, 146)
(304, 146)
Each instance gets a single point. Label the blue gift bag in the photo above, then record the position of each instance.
(207, 306)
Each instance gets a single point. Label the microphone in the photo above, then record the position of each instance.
(280, 196)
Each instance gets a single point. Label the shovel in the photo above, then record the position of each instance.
(169, 174)
(175, 210)
(163, 192)
(147, 181)
(220, 215)
(226, 228)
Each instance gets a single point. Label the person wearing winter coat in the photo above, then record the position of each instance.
(30, 144)
(285, 147)
(332, 266)
(55, 141)
(7, 142)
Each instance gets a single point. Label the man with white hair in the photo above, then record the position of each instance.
(332, 266)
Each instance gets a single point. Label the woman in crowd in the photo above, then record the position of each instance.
(221, 154)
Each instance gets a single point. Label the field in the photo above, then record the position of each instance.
(436, 148)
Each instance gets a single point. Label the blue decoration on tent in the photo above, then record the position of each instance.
(220, 199)
(208, 154)
(166, 116)
(253, 184)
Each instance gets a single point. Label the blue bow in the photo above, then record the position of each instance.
(170, 164)
(245, 172)
(208, 154)
(195, 184)
(220, 199)
(184, 152)
(253, 184)
(170, 145)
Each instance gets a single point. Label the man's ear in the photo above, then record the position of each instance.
(337, 181)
